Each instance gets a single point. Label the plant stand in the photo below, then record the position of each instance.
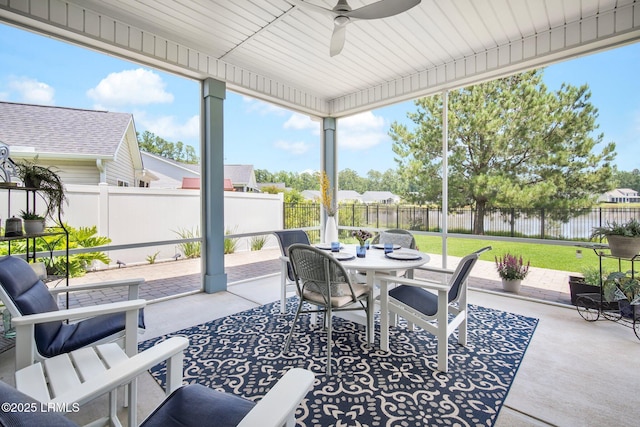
(591, 305)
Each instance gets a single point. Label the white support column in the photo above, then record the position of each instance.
(212, 186)
(445, 176)
(329, 163)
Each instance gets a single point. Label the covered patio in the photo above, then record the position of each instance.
(574, 372)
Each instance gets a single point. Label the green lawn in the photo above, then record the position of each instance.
(545, 256)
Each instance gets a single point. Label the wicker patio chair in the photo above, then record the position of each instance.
(323, 282)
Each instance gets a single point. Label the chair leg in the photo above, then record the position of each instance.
(462, 331)
(283, 291)
(293, 326)
(329, 334)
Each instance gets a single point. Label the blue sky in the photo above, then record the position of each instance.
(39, 70)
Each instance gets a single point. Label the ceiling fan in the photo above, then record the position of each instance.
(342, 14)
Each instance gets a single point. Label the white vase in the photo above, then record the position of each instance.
(331, 230)
(511, 285)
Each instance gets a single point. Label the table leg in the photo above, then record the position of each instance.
(370, 284)
(384, 316)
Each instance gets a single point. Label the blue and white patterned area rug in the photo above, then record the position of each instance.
(241, 354)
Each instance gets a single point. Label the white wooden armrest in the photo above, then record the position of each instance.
(420, 283)
(78, 313)
(278, 407)
(171, 350)
(435, 269)
(132, 284)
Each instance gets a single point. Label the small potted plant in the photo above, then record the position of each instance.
(33, 223)
(47, 182)
(362, 236)
(623, 287)
(623, 238)
(512, 270)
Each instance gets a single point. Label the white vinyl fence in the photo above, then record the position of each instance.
(129, 215)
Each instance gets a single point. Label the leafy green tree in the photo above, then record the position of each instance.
(293, 196)
(176, 151)
(512, 143)
(349, 179)
(628, 179)
(263, 175)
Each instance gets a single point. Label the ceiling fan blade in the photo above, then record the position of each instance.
(337, 39)
(382, 9)
(328, 12)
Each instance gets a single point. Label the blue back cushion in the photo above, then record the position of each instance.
(30, 295)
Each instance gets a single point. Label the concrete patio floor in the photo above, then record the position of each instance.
(575, 373)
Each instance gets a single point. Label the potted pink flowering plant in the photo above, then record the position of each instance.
(512, 269)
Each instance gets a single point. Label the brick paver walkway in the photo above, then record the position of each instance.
(175, 277)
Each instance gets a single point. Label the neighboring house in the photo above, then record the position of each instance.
(243, 178)
(620, 195)
(313, 195)
(382, 197)
(344, 196)
(349, 196)
(171, 173)
(85, 146)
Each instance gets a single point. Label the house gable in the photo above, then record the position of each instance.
(87, 146)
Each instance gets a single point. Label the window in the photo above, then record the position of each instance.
(122, 183)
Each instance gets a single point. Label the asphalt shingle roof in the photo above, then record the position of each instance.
(50, 129)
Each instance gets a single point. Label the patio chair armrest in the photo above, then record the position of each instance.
(132, 284)
(420, 283)
(280, 403)
(435, 269)
(284, 259)
(78, 313)
(171, 350)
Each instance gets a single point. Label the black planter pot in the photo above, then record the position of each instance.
(578, 286)
(629, 311)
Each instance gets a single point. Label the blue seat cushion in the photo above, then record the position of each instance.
(423, 301)
(37, 415)
(77, 335)
(196, 405)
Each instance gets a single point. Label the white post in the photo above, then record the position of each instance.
(445, 177)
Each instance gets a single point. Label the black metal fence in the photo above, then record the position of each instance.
(555, 224)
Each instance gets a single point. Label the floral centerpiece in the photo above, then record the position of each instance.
(362, 236)
(511, 267)
(325, 195)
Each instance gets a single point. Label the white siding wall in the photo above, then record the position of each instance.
(73, 172)
(121, 168)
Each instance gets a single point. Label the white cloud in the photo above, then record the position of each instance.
(130, 87)
(32, 91)
(296, 148)
(299, 121)
(362, 131)
(168, 127)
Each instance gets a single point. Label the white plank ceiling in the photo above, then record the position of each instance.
(273, 50)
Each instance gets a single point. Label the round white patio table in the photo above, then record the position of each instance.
(375, 263)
